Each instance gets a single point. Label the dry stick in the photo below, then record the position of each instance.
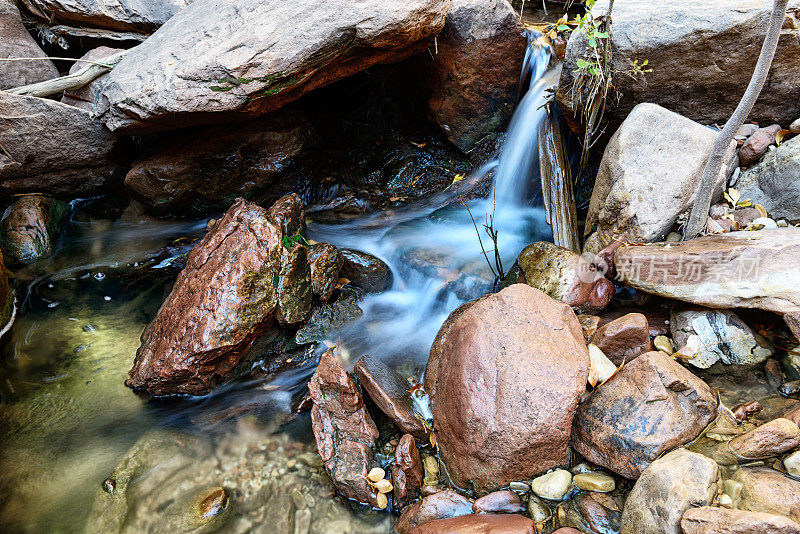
(702, 203)
(49, 58)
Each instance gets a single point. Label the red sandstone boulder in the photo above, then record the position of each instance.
(407, 475)
(440, 505)
(713, 520)
(624, 339)
(479, 524)
(505, 374)
(326, 264)
(757, 144)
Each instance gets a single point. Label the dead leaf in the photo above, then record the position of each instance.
(458, 178)
(760, 209)
(779, 137)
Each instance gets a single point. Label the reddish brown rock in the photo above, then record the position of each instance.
(479, 524)
(505, 374)
(589, 513)
(567, 530)
(733, 270)
(657, 317)
(793, 322)
(589, 325)
(769, 491)
(220, 309)
(713, 520)
(794, 415)
(83, 97)
(407, 473)
(15, 41)
(743, 411)
(651, 406)
(440, 505)
(564, 276)
(390, 392)
(474, 74)
(289, 214)
(624, 339)
(757, 144)
(768, 440)
(30, 226)
(293, 291)
(343, 429)
(503, 501)
(365, 271)
(326, 264)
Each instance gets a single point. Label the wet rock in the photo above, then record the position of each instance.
(657, 317)
(774, 182)
(651, 406)
(30, 227)
(431, 466)
(220, 312)
(442, 505)
(54, 148)
(701, 79)
(326, 264)
(743, 411)
(768, 440)
(594, 482)
(83, 97)
(717, 336)
(128, 15)
(365, 271)
(343, 429)
(792, 464)
(757, 144)
(624, 339)
(564, 276)
(639, 192)
(479, 524)
(325, 42)
(733, 270)
(795, 126)
(589, 325)
(293, 291)
(7, 299)
(769, 491)
(407, 472)
(390, 392)
(327, 319)
(712, 520)
(504, 375)
(182, 175)
(503, 501)
(667, 488)
(592, 516)
(567, 530)
(474, 75)
(553, 486)
(15, 41)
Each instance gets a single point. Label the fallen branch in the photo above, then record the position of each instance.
(69, 82)
(702, 203)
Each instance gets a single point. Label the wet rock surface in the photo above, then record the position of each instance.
(479, 524)
(30, 227)
(650, 407)
(503, 501)
(504, 375)
(623, 339)
(326, 263)
(713, 520)
(407, 473)
(366, 272)
(769, 491)
(15, 41)
(328, 318)
(7, 306)
(773, 182)
(441, 505)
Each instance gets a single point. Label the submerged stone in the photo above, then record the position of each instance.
(30, 227)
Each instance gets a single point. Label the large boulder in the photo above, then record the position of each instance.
(30, 226)
(640, 191)
(650, 407)
(768, 491)
(667, 488)
(775, 181)
(733, 270)
(505, 374)
(479, 524)
(125, 15)
(475, 71)
(224, 308)
(702, 53)
(218, 59)
(202, 170)
(713, 520)
(15, 41)
(54, 148)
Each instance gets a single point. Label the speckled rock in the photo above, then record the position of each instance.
(326, 264)
(503, 501)
(713, 520)
(407, 473)
(479, 524)
(365, 271)
(441, 505)
(15, 41)
(769, 491)
(623, 339)
(30, 227)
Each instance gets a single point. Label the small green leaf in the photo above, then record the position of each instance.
(582, 63)
(562, 28)
(592, 42)
(602, 35)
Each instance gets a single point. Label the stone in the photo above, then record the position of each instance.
(54, 148)
(479, 524)
(30, 227)
(127, 15)
(664, 344)
(774, 181)
(474, 74)
(289, 214)
(553, 486)
(757, 144)
(366, 272)
(326, 263)
(293, 288)
(585, 511)
(657, 317)
(713, 520)
(431, 467)
(594, 482)
(8, 308)
(667, 488)
(327, 319)
(792, 464)
(564, 276)
(441, 505)
(600, 368)
(702, 54)
(795, 127)
(651, 406)
(15, 41)
(221, 310)
(623, 339)
(182, 176)
(504, 376)
(391, 393)
(83, 97)
(407, 473)
(717, 336)
(344, 431)
(538, 510)
(768, 440)
(503, 501)
(769, 491)
(589, 325)
(733, 270)
(639, 192)
(232, 59)
(567, 530)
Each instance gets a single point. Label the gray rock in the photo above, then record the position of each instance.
(83, 97)
(326, 319)
(775, 181)
(666, 489)
(125, 15)
(15, 41)
(640, 191)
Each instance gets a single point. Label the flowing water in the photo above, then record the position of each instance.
(67, 419)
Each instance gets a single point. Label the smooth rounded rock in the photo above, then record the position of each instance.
(553, 485)
(594, 482)
(503, 501)
(792, 463)
(479, 524)
(795, 127)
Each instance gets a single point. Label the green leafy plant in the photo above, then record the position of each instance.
(290, 241)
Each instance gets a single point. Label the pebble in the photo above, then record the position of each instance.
(214, 504)
(311, 459)
(674, 237)
(431, 466)
(553, 485)
(298, 499)
(733, 489)
(766, 222)
(795, 127)
(521, 487)
(601, 368)
(725, 501)
(595, 482)
(664, 344)
(291, 463)
(538, 510)
(792, 463)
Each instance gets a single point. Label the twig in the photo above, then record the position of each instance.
(55, 58)
(480, 241)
